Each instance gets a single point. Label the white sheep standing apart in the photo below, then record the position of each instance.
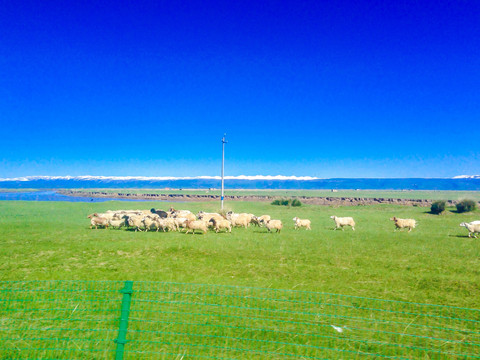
(302, 223)
(404, 223)
(472, 227)
(340, 222)
(274, 224)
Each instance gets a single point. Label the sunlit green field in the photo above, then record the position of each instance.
(197, 316)
(434, 263)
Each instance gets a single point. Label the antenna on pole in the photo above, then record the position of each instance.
(223, 165)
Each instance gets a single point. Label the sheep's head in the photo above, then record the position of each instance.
(333, 217)
(463, 224)
(393, 219)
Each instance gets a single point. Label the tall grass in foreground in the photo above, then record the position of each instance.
(80, 319)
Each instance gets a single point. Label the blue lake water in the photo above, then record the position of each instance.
(54, 196)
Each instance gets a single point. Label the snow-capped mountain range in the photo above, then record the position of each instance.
(467, 177)
(160, 178)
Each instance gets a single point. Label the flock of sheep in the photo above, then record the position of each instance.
(176, 220)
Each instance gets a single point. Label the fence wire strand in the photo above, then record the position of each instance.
(80, 320)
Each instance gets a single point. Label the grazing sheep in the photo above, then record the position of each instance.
(196, 225)
(404, 223)
(221, 224)
(96, 220)
(472, 227)
(302, 223)
(340, 222)
(274, 224)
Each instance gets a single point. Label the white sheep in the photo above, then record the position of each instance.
(274, 224)
(302, 223)
(209, 216)
(180, 213)
(96, 220)
(135, 221)
(260, 220)
(242, 220)
(404, 223)
(264, 218)
(116, 223)
(472, 227)
(196, 225)
(340, 222)
(150, 221)
(219, 224)
(181, 222)
(166, 223)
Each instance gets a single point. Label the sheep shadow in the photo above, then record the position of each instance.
(461, 236)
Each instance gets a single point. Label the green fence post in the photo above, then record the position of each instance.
(122, 331)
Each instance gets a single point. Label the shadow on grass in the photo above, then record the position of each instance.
(460, 236)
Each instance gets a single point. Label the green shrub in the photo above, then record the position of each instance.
(287, 202)
(466, 206)
(296, 202)
(438, 207)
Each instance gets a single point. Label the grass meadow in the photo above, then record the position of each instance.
(436, 264)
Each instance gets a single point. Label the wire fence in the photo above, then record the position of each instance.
(145, 320)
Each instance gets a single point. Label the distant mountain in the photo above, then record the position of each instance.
(467, 177)
(470, 182)
(160, 178)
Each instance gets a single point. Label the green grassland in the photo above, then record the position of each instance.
(436, 263)
(394, 194)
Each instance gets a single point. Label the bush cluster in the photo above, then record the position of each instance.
(438, 207)
(287, 202)
(466, 206)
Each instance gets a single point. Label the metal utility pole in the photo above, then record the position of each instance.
(223, 164)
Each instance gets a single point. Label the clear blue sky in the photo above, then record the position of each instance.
(319, 88)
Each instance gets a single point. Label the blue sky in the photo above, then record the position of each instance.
(326, 89)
